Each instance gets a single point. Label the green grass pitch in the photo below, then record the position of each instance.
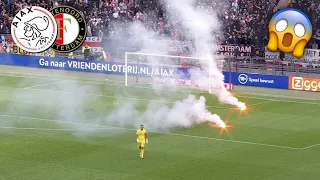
(276, 139)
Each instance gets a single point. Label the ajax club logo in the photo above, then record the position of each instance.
(289, 30)
(34, 29)
(72, 29)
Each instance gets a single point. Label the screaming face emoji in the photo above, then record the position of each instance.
(289, 30)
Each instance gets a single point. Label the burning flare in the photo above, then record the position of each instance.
(214, 120)
(242, 106)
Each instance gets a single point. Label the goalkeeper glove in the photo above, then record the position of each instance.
(146, 140)
(138, 140)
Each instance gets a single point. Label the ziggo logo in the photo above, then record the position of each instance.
(304, 84)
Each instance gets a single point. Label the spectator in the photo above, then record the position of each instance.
(103, 55)
(86, 52)
(315, 46)
(2, 29)
(185, 64)
(244, 21)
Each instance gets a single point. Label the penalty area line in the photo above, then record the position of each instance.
(41, 85)
(263, 102)
(51, 129)
(242, 94)
(157, 132)
(232, 141)
(132, 98)
(249, 105)
(312, 146)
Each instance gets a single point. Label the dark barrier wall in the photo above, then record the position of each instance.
(247, 79)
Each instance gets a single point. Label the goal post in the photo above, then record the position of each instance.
(148, 68)
(126, 66)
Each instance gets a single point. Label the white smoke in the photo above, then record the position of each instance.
(83, 108)
(201, 22)
(75, 108)
(160, 116)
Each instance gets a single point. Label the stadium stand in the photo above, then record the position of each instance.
(245, 23)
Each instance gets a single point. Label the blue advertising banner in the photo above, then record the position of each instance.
(246, 79)
(259, 80)
(92, 66)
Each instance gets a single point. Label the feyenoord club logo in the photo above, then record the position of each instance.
(34, 29)
(72, 29)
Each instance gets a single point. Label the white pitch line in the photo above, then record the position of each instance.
(40, 85)
(233, 141)
(279, 100)
(308, 147)
(140, 99)
(264, 102)
(50, 129)
(135, 98)
(11, 74)
(39, 103)
(49, 120)
(122, 97)
(172, 134)
(97, 95)
(250, 105)
(168, 89)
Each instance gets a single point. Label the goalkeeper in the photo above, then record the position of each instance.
(142, 139)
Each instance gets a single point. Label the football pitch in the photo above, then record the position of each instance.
(277, 138)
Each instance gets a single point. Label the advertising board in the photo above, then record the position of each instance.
(183, 74)
(259, 80)
(310, 56)
(92, 66)
(304, 84)
(186, 82)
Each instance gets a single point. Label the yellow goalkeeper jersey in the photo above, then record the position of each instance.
(141, 134)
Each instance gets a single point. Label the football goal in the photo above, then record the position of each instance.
(145, 68)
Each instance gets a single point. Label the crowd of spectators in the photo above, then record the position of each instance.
(244, 21)
(247, 21)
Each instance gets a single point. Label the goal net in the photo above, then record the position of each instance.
(169, 70)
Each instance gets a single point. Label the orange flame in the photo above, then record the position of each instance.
(242, 107)
(222, 126)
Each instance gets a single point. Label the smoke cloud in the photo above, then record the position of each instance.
(202, 23)
(76, 105)
(160, 116)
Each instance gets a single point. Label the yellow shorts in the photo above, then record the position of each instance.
(141, 144)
